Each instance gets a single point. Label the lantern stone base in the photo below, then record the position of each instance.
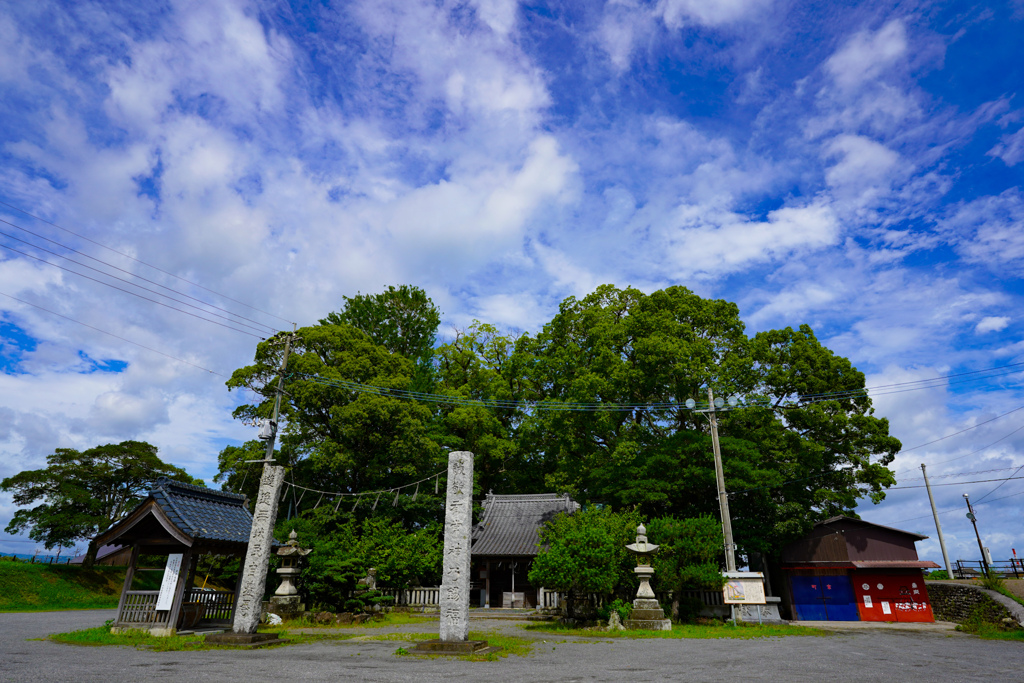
(452, 647)
(284, 606)
(244, 639)
(647, 616)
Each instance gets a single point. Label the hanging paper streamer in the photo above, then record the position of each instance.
(394, 503)
(375, 501)
(318, 501)
(417, 492)
(436, 479)
(284, 496)
(356, 503)
(337, 504)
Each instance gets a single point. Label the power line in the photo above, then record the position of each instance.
(958, 483)
(107, 284)
(1012, 476)
(128, 282)
(148, 265)
(123, 270)
(954, 509)
(110, 334)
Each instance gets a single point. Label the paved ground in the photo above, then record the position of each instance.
(864, 655)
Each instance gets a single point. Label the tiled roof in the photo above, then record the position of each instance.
(203, 513)
(510, 526)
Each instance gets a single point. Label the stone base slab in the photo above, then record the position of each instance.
(646, 603)
(244, 639)
(452, 647)
(648, 624)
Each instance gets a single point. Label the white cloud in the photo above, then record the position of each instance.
(1010, 148)
(713, 245)
(500, 15)
(867, 54)
(676, 13)
(992, 323)
(989, 230)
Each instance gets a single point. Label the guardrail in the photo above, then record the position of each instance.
(973, 569)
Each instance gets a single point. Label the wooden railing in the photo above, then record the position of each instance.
(218, 604)
(140, 608)
(415, 597)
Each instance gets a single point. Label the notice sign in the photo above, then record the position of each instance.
(744, 588)
(867, 601)
(170, 582)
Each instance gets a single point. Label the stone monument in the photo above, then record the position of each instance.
(286, 601)
(458, 527)
(647, 612)
(249, 607)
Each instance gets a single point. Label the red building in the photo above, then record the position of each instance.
(847, 569)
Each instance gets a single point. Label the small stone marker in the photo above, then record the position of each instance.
(458, 526)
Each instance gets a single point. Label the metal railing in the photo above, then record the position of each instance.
(974, 569)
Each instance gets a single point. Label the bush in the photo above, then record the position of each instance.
(621, 606)
(586, 553)
(993, 583)
(938, 575)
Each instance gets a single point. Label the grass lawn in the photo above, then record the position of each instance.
(46, 587)
(142, 640)
(712, 630)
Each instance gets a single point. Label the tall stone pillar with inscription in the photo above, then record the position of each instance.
(458, 525)
(257, 557)
(458, 528)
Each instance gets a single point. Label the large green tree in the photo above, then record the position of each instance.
(806, 447)
(80, 493)
(337, 437)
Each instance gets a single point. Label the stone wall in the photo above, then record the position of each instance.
(956, 602)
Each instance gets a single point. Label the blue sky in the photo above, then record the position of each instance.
(853, 166)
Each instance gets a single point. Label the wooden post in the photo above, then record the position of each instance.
(487, 586)
(129, 574)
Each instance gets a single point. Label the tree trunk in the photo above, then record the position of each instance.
(90, 555)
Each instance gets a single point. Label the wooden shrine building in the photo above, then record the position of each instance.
(847, 569)
(177, 523)
(505, 542)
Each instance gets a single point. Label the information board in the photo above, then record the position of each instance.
(744, 588)
(170, 582)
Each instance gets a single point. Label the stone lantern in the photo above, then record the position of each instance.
(647, 612)
(286, 600)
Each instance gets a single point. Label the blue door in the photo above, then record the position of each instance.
(824, 598)
(807, 598)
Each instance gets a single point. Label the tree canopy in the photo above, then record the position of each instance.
(80, 493)
(592, 405)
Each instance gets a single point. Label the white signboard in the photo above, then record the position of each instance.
(744, 588)
(170, 582)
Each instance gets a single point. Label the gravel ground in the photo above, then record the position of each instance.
(861, 655)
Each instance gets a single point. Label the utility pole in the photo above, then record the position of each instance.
(257, 556)
(938, 527)
(723, 497)
(974, 521)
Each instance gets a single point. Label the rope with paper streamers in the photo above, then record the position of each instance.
(336, 497)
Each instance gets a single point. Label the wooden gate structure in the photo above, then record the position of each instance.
(183, 520)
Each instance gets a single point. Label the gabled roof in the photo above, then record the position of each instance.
(188, 514)
(510, 525)
(853, 520)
